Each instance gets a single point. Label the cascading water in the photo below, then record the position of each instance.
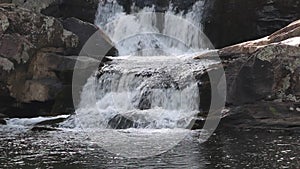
(153, 83)
(166, 33)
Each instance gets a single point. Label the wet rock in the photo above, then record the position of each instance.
(126, 121)
(43, 129)
(264, 115)
(52, 123)
(2, 122)
(121, 122)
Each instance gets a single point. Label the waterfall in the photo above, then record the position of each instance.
(145, 32)
(153, 83)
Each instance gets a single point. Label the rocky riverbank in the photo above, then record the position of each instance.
(263, 80)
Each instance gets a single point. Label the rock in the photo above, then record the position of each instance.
(42, 129)
(227, 23)
(84, 31)
(63, 102)
(2, 115)
(263, 69)
(265, 74)
(36, 6)
(16, 48)
(38, 90)
(4, 23)
(82, 9)
(121, 122)
(35, 74)
(289, 35)
(48, 31)
(2, 122)
(263, 115)
(52, 123)
(6, 65)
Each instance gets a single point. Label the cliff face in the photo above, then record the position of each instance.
(233, 21)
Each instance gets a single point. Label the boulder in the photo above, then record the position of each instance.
(82, 29)
(263, 115)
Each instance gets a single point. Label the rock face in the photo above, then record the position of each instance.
(230, 22)
(35, 64)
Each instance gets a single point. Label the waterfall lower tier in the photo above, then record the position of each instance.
(142, 92)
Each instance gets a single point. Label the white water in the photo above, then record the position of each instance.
(156, 90)
(148, 33)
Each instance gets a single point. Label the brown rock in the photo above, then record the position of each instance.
(16, 48)
(3, 23)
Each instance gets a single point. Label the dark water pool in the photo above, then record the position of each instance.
(21, 148)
